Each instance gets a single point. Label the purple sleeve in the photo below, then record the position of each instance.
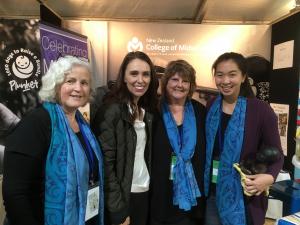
(270, 136)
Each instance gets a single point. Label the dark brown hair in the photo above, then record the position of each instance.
(120, 92)
(240, 61)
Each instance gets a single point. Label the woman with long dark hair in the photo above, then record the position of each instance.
(237, 126)
(124, 127)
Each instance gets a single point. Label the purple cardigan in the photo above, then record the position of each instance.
(260, 127)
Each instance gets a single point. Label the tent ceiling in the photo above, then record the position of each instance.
(178, 11)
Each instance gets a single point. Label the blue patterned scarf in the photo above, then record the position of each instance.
(185, 187)
(229, 192)
(67, 171)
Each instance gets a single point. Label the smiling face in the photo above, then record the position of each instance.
(228, 79)
(22, 61)
(74, 92)
(177, 89)
(137, 78)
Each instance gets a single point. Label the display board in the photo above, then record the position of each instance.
(20, 65)
(284, 79)
(56, 42)
(200, 45)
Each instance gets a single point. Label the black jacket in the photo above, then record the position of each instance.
(118, 142)
(162, 208)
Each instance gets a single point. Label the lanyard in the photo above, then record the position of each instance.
(221, 144)
(89, 152)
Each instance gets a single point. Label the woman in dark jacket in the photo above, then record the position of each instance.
(177, 196)
(124, 126)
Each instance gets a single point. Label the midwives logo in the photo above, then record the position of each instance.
(23, 67)
(134, 45)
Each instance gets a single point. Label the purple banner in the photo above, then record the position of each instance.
(56, 43)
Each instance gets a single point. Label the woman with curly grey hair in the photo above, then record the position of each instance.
(53, 163)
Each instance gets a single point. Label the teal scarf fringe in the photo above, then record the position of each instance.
(185, 187)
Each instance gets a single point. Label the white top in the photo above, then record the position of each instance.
(141, 178)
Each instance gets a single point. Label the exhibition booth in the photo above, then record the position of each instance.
(104, 44)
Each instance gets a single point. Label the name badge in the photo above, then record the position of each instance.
(173, 163)
(215, 170)
(92, 204)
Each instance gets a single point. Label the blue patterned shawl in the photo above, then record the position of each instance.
(185, 187)
(229, 192)
(67, 171)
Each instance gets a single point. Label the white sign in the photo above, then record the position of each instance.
(283, 55)
(282, 112)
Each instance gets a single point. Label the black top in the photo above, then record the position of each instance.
(216, 151)
(94, 173)
(162, 208)
(24, 169)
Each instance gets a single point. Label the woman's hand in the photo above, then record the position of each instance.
(258, 183)
(127, 221)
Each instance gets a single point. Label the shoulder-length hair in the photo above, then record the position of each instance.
(184, 70)
(240, 61)
(56, 74)
(120, 92)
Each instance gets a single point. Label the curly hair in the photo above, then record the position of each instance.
(56, 75)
